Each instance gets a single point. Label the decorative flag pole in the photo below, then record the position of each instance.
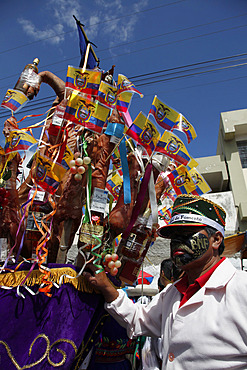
(86, 57)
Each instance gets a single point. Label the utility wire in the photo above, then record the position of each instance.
(174, 42)
(172, 32)
(190, 65)
(183, 68)
(156, 79)
(145, 39)
(160, 92)
(161, 74)
(93, 25)
(43, 104)
(190, 74)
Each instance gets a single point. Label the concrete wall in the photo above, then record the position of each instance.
(214, 171)
(226, 201)
(233, 127)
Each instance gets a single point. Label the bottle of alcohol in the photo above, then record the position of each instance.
(28, 77)
(132, 251)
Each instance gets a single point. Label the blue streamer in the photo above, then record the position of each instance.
(125, 168)
(115, 128)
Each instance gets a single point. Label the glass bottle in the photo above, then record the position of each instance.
(132, 251)
(28, 77)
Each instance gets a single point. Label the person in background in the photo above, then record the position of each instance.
(160, 285)
(201, 318)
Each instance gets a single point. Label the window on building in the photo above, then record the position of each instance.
(242, 149)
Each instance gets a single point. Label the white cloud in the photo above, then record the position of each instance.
(139, 5)
(61, 12)
(99, 17)
(122, 28)
(114, 4)
(53, 35)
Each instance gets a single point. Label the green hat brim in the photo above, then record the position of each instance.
(168, 230)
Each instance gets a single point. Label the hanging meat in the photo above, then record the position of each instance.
(10, 213)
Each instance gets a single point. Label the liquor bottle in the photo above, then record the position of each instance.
(91, 233)
(28, 77)
(133, 249)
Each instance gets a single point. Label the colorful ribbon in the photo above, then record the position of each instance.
(125, 169)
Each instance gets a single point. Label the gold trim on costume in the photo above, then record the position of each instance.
(66, 274)
(46, 354)
(14, 279)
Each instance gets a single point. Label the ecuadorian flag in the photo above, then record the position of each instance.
(86, 82)
(184, 126)
(114, 185)
(84, 112)
(169, 193)
(170, 145)
(19, 140)
(165, 116)
(144, 133)
(124, 85)
(200, 183)
(165, 214)
(107, 94)
(123, 101)
(67, 157)
(47, 174)
(181, 181)
(14, 100)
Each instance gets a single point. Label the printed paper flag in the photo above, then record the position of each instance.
(114, 185)
(117, 241)
(83, 42)
(181, 181)
(14, 100)
(124, 85)
(47, 174)
(115, 157)
(202, 186)
(165, 214)
(19, 140)
(169, 193)
(184, 126)
(170, 145)
(144, 133)
(165, 116)
(86, 82)
(67, 157)
(123, 101)
(89, 114)
(107, 94)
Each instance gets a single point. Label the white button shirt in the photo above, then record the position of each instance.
(208, 332)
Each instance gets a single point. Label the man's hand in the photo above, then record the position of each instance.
(100, 282)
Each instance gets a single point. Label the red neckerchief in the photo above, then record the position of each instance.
(187, 290)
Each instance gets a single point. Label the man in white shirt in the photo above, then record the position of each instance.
(202, 317)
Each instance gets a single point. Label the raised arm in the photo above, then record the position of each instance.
(137, 319)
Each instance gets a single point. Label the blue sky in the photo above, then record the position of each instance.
(140, 38)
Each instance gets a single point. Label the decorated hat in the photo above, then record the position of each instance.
(192, 210)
